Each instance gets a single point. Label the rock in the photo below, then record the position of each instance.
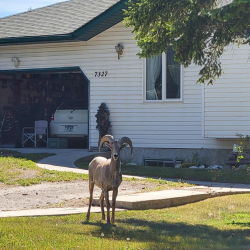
(131, 164)
(202, 167)
(178, 165)
(216, 167)
(243, 167)
(193, 167)
(212, 167)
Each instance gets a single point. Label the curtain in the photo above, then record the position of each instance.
(153, 71)
(173, 68)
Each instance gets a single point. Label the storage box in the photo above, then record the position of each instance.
(57, 143)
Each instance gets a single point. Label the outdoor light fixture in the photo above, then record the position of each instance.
(119, 50)
(16, 61)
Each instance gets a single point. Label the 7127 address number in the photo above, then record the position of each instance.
(101, 73)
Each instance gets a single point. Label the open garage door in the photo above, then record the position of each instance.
(28, 96)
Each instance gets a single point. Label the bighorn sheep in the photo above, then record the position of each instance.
(106, 174)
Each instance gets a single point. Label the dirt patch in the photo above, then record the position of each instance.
(59, 194)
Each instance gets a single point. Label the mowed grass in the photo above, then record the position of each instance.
(21, 169)
(233, 175)
(217, 223)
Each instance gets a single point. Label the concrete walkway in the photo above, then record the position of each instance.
(64, 161)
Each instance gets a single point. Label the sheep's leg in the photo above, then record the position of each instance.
(91, 189)
(102, 205)
(115, 192)
(106, 195)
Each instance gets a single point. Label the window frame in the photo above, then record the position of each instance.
(164, 85)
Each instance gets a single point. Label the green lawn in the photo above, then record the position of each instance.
(220, 175)
(21, 169)
(217, 223)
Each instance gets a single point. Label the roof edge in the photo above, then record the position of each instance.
(78, 34)
(38, 70)
(35, 39)
(97, 20)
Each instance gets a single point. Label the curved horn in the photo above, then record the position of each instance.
(128, 141)
(106, 138)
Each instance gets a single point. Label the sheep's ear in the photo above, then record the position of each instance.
(107, 144)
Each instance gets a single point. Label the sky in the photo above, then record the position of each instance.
(11, 7)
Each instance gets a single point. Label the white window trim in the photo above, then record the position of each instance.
(164, 98)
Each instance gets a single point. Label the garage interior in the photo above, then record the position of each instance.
(26, 97)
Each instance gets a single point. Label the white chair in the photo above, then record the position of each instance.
(35, 134)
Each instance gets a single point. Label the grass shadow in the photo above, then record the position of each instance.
(174, 235)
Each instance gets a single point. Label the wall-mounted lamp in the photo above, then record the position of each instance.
(16, 61)
(119, 50)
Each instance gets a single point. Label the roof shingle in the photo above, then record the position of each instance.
(54, 20)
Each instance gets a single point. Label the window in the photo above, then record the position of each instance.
(163, 77)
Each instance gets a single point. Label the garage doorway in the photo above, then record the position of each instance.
(30, 95)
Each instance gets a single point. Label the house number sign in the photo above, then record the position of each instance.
(101, 73)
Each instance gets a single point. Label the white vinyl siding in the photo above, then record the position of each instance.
(149, 125)
(227, 102)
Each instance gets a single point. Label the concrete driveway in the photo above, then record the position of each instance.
(63, 160)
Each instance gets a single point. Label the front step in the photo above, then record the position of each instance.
(157, 200)
(168, 198)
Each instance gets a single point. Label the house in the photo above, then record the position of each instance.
(72, 44)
